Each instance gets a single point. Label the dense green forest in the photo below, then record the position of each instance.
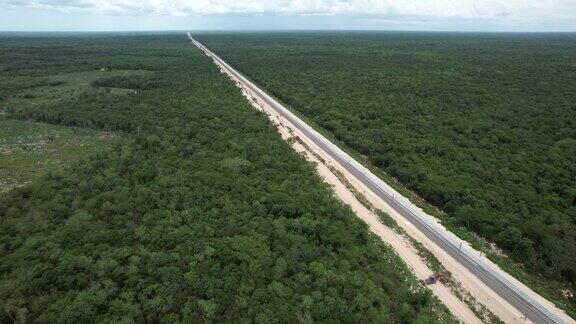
(202, 213)
(482, 126)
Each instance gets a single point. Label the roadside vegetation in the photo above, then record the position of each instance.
(200, 213)
(481, 126)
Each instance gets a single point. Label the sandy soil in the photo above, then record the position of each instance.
(469, 283)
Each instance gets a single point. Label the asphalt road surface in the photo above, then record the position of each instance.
(485, 272)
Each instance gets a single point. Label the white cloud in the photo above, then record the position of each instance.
(502, 11)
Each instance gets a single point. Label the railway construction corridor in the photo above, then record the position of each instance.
(505, 296)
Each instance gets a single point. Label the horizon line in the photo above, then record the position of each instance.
(289, 30)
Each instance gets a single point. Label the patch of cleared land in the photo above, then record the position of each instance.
(61, 87)
(28, 150)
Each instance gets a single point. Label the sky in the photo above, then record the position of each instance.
(424, 15)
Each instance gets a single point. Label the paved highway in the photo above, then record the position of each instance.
(472, 260)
